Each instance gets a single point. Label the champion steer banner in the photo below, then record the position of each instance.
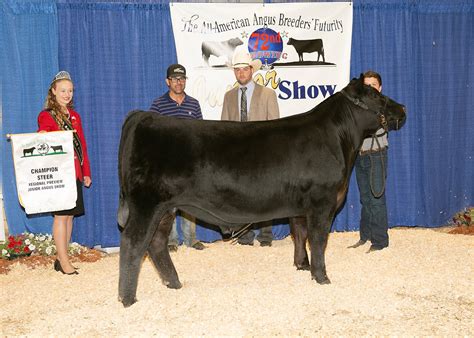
(44, 171)
(304, 48)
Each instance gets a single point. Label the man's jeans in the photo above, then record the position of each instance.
(373, 222)
(188, 228)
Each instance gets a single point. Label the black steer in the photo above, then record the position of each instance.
(232, 173)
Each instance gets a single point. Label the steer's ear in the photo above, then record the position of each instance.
(359, 84)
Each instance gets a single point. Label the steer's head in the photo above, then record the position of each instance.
(390, 114)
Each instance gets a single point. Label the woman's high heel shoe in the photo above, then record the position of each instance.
(58, 267)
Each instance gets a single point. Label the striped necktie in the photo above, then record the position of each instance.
(243, 105)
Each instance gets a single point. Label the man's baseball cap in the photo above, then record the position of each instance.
(176, 70)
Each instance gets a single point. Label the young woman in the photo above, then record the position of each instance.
(58, 114)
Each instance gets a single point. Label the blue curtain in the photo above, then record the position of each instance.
(28, 62)
(424, 51)
(383, 40)
(117, 53)
(444, 141)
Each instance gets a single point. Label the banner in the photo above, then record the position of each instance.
(304, 48)
(44, 170)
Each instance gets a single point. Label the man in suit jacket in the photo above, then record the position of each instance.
(263, 102)
(250, 101)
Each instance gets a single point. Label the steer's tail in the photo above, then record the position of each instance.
(125, 151)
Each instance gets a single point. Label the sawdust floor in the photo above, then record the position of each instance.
(421, 285)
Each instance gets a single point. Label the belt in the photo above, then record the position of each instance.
(371, 151)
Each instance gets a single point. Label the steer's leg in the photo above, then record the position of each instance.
(159, 254)
(299, 232)
(319, 224)
(135, 238)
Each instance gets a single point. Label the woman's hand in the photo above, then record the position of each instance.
(87, 181)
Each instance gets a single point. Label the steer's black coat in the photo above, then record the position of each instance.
(232, 173)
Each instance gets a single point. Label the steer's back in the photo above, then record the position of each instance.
(168, 157)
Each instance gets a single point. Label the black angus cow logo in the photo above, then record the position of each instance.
(307, 46)
(27, 151)
(219, 49)
(57, 148)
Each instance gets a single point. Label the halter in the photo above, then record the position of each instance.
(363, 105)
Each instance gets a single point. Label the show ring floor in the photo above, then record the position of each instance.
(421, 285)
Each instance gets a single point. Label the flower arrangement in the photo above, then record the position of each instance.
(16, 246)
(33, 244)
(464, 218)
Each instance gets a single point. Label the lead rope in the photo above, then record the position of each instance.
(236, 235)
(376, 195)
(374, 137)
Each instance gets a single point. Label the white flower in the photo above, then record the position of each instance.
(31, 247)
(42, 238)
(4, 252)
(27, 241)
(31, 235)
(49, 250)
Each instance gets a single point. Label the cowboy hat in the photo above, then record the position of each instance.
(242, 59)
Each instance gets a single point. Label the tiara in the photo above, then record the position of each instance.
(62, 75)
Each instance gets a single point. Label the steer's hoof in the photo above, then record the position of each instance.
(322, 280)
(305, 267)
(302, 264)
(174, 285)
(128, 301)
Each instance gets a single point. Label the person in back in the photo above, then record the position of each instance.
(175, 102)
(371, 173)
(250, 101)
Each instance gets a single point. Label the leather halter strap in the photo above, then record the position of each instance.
(364, 106)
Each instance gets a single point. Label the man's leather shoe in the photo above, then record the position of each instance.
(358, 244)
(172, 248)
(265, 243)
(198, 246)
